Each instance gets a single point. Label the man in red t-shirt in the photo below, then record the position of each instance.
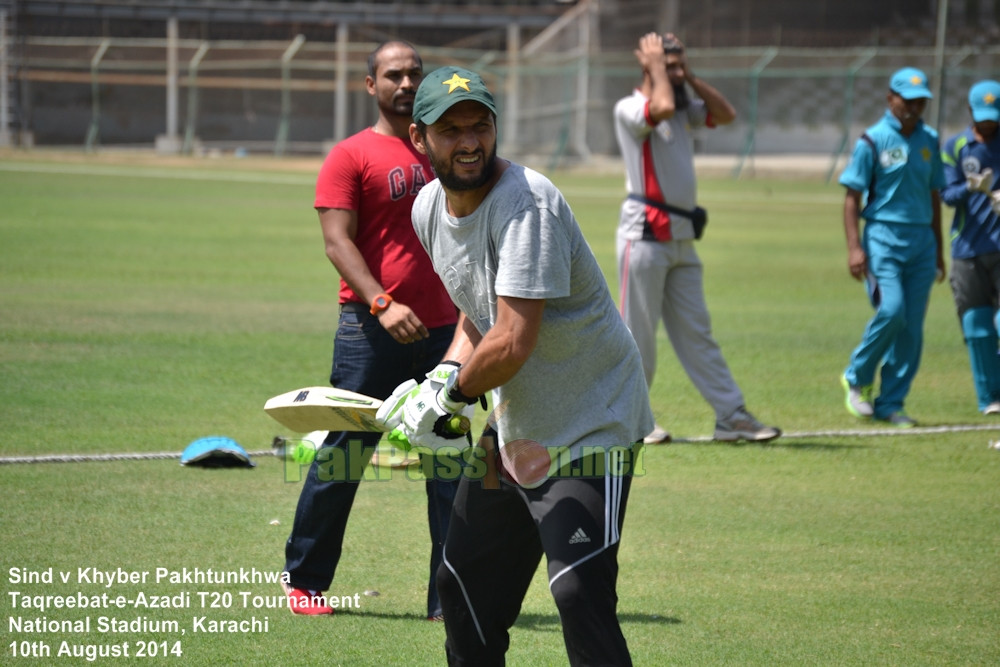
(396, 319)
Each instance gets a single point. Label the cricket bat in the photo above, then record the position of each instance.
(331, 409)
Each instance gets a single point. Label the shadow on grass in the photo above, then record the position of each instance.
(384, 615)
(551, 621)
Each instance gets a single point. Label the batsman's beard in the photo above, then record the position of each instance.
(451, 181)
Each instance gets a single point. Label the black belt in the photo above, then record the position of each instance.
(355, 307)
(662, 205)
(698, 216)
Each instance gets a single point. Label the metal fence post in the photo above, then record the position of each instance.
(5, 138)
(192, 115)
(340, 96)
(937, 83)
(95, 95)
(583, 85)
(852, 73)
(286, 93)
(170, 143)
(748, 148)
(512, 88)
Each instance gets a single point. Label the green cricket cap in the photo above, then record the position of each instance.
(445, 87)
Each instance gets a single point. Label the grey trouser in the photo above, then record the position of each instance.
(663, 280)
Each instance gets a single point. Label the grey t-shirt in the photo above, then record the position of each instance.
(583, 385)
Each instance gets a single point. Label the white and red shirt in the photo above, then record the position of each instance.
(659, 165)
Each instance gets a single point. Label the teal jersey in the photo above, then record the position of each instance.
(897, 173)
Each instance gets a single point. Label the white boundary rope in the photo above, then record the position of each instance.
(916, 430)
(88, 458)
(792, 435)
(232, 176)
(863, 433)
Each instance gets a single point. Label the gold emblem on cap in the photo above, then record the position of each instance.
(456, 82)
(989, 98)
(916, 80)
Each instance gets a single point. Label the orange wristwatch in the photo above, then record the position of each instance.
(380, 303)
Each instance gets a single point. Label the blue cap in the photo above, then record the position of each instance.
(910, 84)
(984, 100)
(216, 452)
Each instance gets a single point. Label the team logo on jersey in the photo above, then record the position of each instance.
(663, 129)
(893, 156)
(970, 165)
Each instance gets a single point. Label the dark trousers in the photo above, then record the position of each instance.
(367, 360)
(495, 542)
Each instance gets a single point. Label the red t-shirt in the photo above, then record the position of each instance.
(379, 176)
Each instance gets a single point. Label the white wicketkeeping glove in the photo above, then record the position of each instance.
(995, 201)
(979, 182)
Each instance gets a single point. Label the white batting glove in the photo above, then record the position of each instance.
(979, 182)
(437, 381)
(439, 375)
(390, 413)
(995, 201)
(420, 413)
(429, 415)
(425, 421)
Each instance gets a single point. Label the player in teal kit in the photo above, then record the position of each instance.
(897, 164)
(971, 168)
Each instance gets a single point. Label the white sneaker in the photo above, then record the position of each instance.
(657, 436)
(858, 399)
(741, 425)
(992, 409)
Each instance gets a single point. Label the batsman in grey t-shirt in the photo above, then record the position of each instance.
(583, 384)
(539, 329)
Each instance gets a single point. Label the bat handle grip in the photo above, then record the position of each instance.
(458, 424)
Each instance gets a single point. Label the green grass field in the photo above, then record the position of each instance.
(146, 304)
